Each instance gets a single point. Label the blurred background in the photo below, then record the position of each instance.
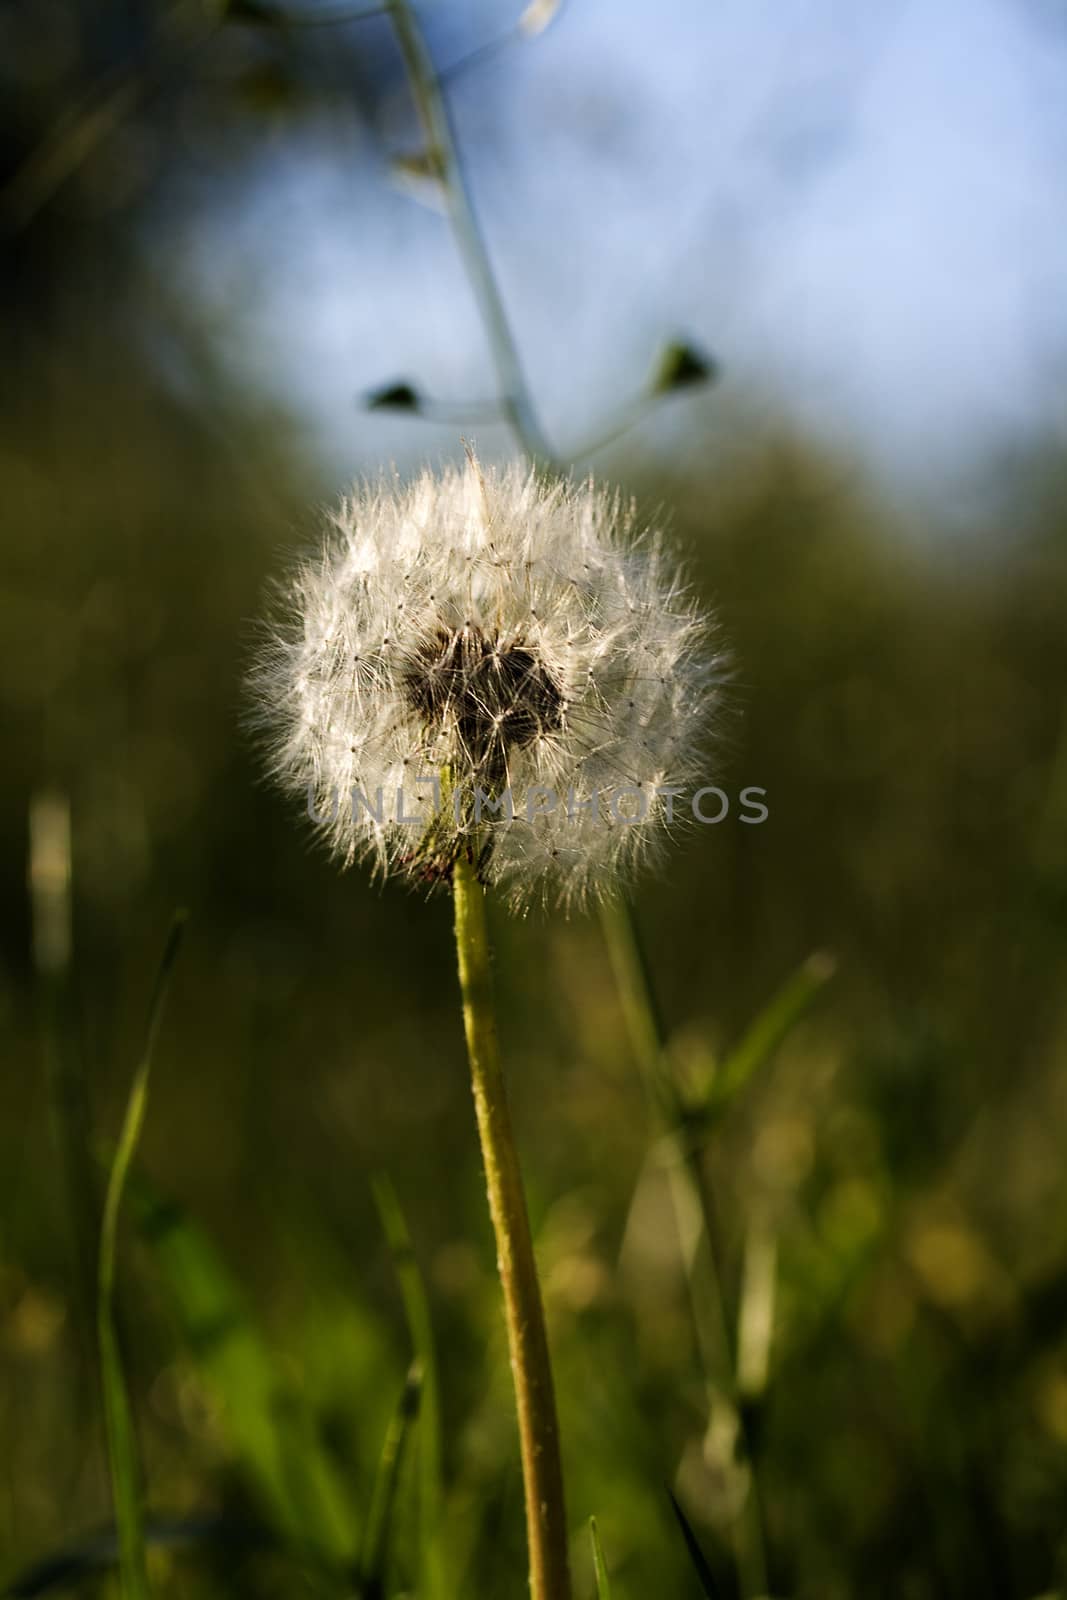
(217, 242)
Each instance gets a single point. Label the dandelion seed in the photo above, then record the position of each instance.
(513, 632)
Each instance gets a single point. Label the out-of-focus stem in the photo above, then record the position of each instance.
(442, 149)
(49, 882)
(689, 1194)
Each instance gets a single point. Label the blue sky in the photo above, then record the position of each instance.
(858, 207)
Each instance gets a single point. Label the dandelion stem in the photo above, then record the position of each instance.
(527, 1341)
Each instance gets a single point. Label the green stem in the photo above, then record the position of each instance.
(527, 1341)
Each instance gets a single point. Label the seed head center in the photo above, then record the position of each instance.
(496, 694)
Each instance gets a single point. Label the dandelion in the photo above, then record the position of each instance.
(470, 637)
(519, 636)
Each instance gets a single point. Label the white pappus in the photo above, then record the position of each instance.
(489, 632)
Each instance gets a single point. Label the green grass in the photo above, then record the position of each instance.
(126, 1485)
(600, 1566)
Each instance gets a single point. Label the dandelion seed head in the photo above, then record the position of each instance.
(492, 630)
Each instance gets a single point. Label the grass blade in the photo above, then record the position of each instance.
(386, 1484)
(271, 1430)
(766, 1033)
(696, 1554)
(420, 1327)
(600, 1566)
(121, 1443)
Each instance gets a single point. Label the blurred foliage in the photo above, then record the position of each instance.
(901, 1146)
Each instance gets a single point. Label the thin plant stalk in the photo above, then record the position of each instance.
(436, 121)
(121, 1440)
(546, 1525)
